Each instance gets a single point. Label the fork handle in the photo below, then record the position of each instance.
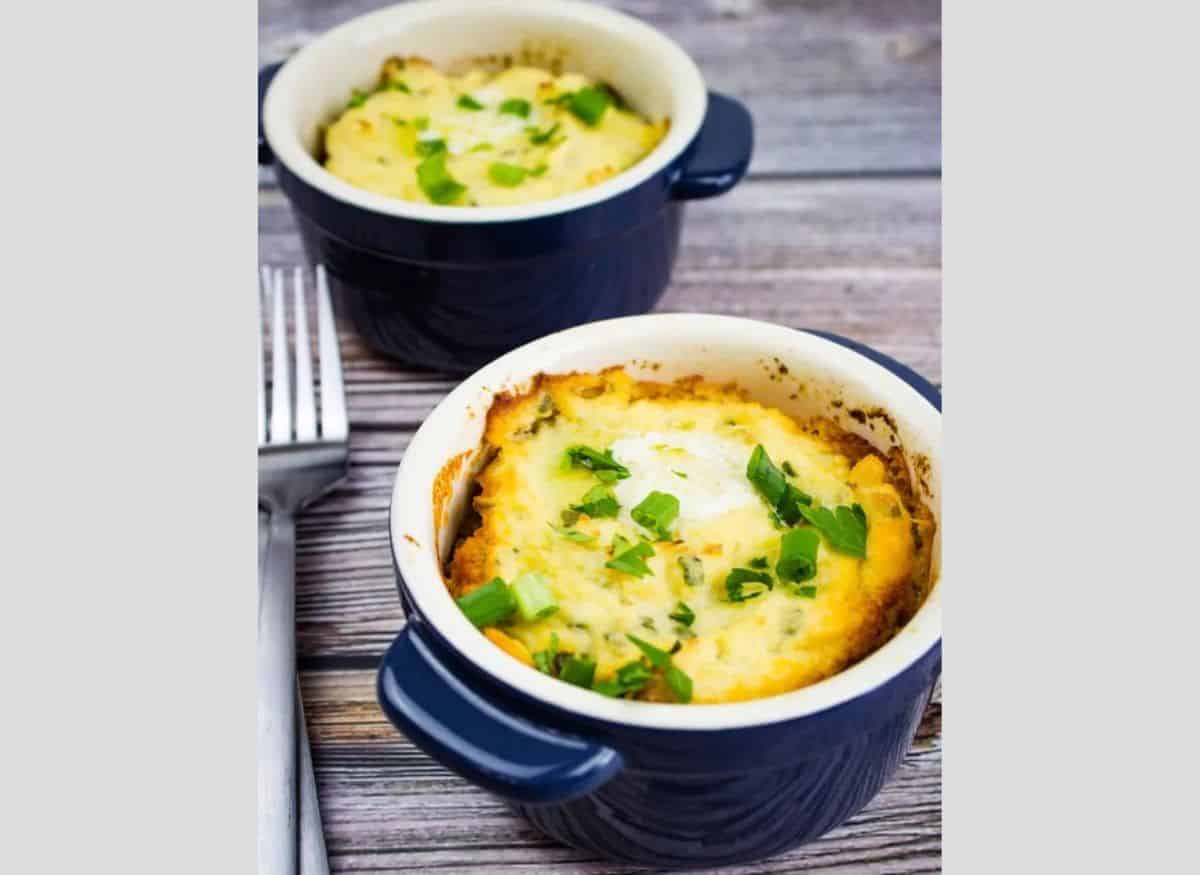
(278, 844)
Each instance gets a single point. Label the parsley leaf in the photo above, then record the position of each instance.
(845, 527)
(677, 680)
(630, 559)
(598, 502)
(629, 678)
(580, 456)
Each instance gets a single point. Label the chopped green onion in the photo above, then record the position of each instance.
(508, 175)
(437, 183)
(358, 98)
(805, 592)
(679, 474)
(656, 513)
(683, 614)
(466, 101)
(488, 604)
(585, 457)
(539, 170)
(735, 584)
(541, 138)
(579, 671)
(533, 597)
(516, 106)
(572, 535)
(846, 528)
(630, 559)
(598, 502)
(569, 517)
(430, 147)
(788, 469)
(545, 659)
(693, 570)
(798, 555)
(397, 120)
(629, 678)
(759, 562)
(398, 86)
(560, 99)
(421, 122)
(677, 680)
(783, 497)
(481, 147)
(589, 103)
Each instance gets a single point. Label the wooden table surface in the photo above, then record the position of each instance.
(837, 227)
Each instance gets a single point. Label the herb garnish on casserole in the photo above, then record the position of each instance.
(679, 542)
(484, 139)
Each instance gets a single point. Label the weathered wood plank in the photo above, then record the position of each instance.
(857, 257)
(835, 87)
(388, 807)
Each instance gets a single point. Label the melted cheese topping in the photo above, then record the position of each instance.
(376, 144)
(733, 650)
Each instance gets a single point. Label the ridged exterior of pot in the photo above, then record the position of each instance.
(688, 798)
(674, 818)
(454, 297)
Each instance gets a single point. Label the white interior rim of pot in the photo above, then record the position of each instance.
(281, 105)
(412, 512)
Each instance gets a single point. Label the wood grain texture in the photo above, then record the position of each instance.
(835, 87)
(389, 808)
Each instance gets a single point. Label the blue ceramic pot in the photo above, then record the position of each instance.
(646, 783)
(453, 287)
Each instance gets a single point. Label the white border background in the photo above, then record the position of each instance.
(1070, 237)
(1071, 193)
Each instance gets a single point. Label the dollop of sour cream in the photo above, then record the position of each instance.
(706, 473)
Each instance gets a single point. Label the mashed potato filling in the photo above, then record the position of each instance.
(483, 138)
(708, 587)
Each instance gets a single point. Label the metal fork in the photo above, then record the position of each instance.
(302, 452)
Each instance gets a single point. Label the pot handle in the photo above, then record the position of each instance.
(721, 152)
(265, 75)
(475, 737)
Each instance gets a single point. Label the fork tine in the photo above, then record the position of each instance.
(281, 402)
(262, 386)
(334, 425)
(306, 409)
